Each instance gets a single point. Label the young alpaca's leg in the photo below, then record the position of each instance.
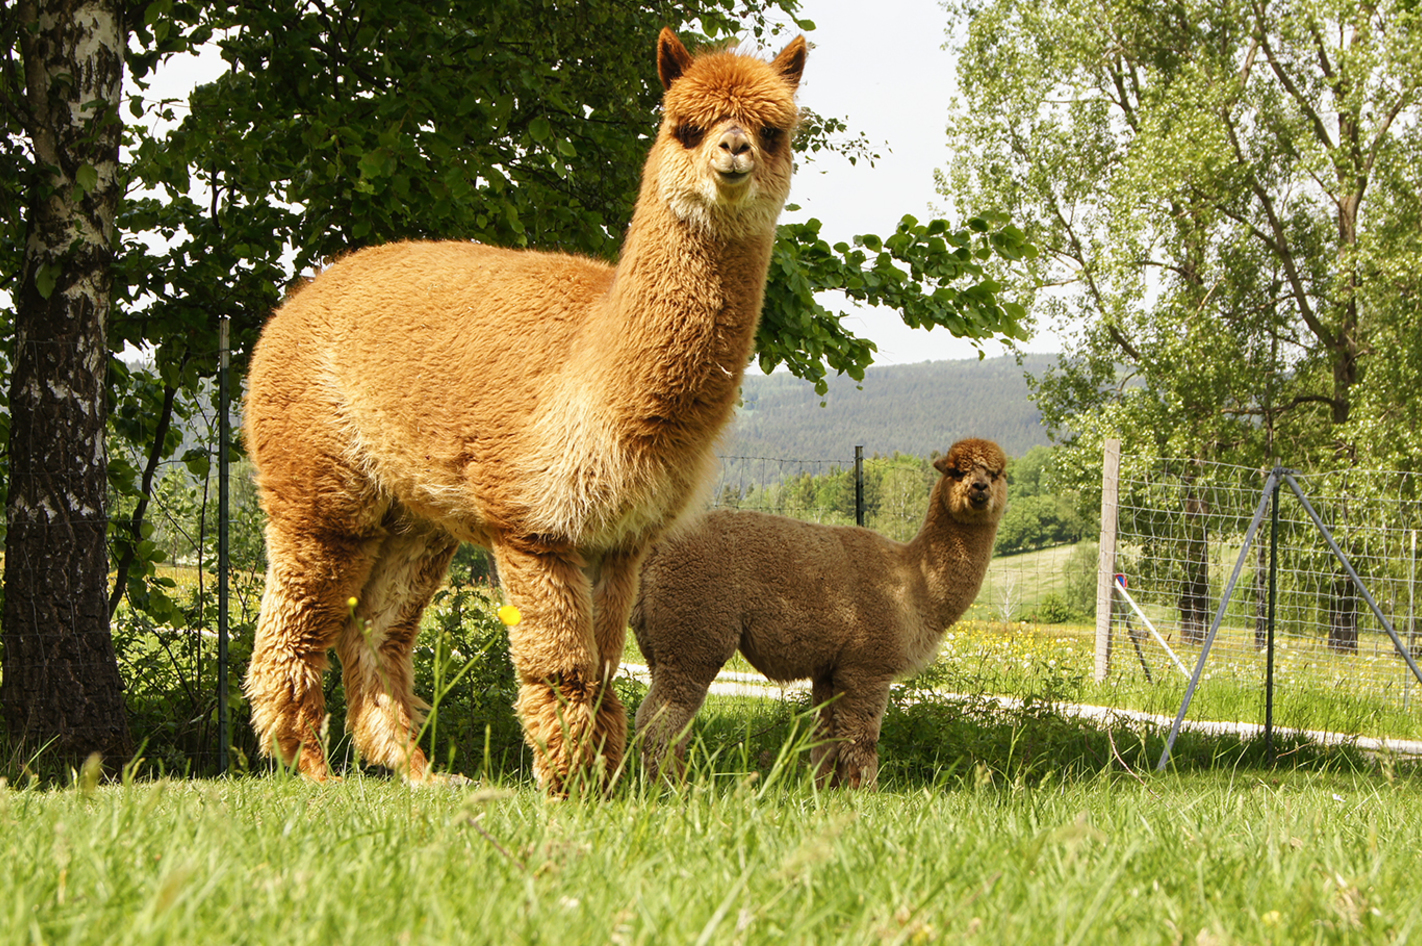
(663, 719)
(859, 712)
(310, 579)
(570, 718)
(825, 749)
(384, 715)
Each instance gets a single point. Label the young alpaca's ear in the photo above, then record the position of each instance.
(942, 465)
(791, 61)
(672, 57)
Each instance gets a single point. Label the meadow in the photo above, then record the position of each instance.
(1218, 850)
(1017, 823)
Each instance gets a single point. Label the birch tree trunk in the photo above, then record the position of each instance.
(61, 687)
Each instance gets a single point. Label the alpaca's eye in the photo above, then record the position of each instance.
(957, 474)
(771, 137)
(689, 135)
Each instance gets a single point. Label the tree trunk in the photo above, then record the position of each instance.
(61, 688)
(1343, 616)
(1195, 588)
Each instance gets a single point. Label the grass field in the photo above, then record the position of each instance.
(1232, 853)
(993, 825)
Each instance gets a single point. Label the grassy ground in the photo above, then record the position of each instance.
(1019, 825)
(1228, 854)
(1017, 583)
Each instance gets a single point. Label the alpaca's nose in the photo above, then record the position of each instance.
(734, 141)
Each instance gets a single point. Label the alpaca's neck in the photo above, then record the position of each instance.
(952, 556)
(678, 323)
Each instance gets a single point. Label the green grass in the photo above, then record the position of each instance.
(1228, 853)
(1018, 825)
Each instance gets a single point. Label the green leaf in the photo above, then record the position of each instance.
(87, 177)
(46, 277)
(198, 462)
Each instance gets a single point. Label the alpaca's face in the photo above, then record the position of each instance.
(975, 481)
(722, 155)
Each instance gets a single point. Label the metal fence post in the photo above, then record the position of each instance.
(859, 484)
(1106, 554)
(223, 435)
(1273, 602)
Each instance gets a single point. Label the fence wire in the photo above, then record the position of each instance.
(1180, 529)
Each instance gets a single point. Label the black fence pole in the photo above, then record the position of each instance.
(223, 435)
(1269, 645)
(859, 484)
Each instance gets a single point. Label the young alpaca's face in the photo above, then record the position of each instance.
(975, 475)
(723, 151)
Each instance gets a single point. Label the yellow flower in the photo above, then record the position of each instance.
(352, 603)
(509, 615)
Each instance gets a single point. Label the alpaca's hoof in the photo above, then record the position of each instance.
(577, 735)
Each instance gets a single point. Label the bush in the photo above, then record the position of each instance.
(463, 668)
(1054, 609)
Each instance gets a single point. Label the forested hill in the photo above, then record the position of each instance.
(912, 409)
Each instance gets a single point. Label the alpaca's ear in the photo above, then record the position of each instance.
(791, 61)
(672, 57)
(942, 465)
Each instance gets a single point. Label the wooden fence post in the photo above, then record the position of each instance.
(1106, 556)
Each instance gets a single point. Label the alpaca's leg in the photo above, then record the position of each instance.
(859, 712)
(825, 749)
(384, 715)
(571, 719)
(614, 590)
(310, 580)
(664, 717)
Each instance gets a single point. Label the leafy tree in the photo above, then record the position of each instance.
(355, 122)
(1226, 199)
(1040, 513)
(1225, 194)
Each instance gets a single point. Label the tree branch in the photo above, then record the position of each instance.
(135, 525)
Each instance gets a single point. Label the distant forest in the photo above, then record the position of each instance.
(916, 410)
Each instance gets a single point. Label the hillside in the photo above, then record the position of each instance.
(913, 409)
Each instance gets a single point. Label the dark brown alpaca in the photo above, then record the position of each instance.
(554, 409)
(843, 607)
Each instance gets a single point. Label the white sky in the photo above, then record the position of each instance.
(887, 75)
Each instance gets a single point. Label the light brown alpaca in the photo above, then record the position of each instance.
(554, 409)
(841, 606)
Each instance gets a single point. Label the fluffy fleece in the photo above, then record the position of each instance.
(554, 409)
(841, 606)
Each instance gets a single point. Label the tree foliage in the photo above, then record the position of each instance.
(1225, 195)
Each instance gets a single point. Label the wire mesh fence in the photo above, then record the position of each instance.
(821, 490)
(1180, 530)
